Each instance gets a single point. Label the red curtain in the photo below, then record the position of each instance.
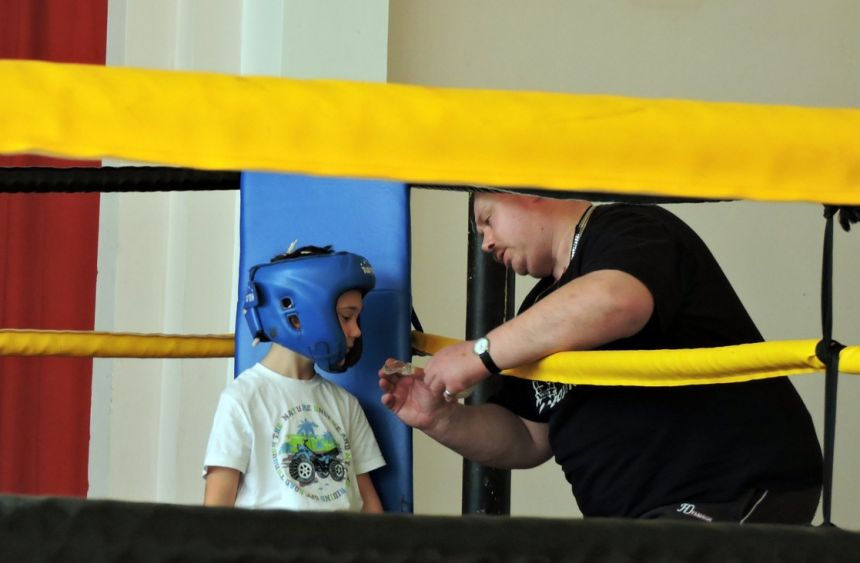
(48, 252)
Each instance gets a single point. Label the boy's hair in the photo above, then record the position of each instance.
(309, 250)
(292, 299)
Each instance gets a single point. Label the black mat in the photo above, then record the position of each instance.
(58, 529)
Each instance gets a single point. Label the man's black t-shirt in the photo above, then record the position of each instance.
(626, 450)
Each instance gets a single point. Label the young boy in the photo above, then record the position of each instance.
(283, 436)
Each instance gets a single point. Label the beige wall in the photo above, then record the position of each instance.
(776, 51)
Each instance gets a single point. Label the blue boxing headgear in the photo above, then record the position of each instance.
(304, 286)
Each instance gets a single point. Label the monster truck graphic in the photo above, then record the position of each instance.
(308, 457)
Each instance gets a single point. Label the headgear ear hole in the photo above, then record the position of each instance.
(295, 322)
(287, 303)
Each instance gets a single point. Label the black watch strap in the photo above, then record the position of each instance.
(489, 363)
(482, 350)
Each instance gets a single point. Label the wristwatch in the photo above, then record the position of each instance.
(482, 350)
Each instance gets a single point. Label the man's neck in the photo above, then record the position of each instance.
(571, 214)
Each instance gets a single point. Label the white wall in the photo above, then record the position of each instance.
(774, 51)
(168, 261)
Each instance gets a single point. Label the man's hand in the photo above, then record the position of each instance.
(455, 369)
(409, 397)
(488, 434)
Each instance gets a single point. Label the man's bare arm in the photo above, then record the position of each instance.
(583, 314)
(492, 435)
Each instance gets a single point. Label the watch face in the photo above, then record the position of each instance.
(481, 346)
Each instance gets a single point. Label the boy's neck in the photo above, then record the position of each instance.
(288, 363)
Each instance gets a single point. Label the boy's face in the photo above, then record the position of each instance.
(348, 307)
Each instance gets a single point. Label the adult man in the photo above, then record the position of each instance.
(620, 277)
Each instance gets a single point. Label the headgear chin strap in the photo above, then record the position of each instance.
(292, 301)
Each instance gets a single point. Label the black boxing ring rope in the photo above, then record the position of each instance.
(108, 179)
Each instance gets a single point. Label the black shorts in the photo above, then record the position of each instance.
(754, 506)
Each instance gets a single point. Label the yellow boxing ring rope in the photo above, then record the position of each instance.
(646, 368)
(87, 344)
(664, 368)
(416, 134)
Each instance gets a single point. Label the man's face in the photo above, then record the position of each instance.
(510, 231)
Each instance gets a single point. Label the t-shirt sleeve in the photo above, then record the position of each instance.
(366, 453)
(641, 245)
(230, 439)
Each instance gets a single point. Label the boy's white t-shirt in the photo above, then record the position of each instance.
(299, 444)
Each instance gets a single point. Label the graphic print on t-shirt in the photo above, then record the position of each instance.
(548, 394)
(311, 453)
